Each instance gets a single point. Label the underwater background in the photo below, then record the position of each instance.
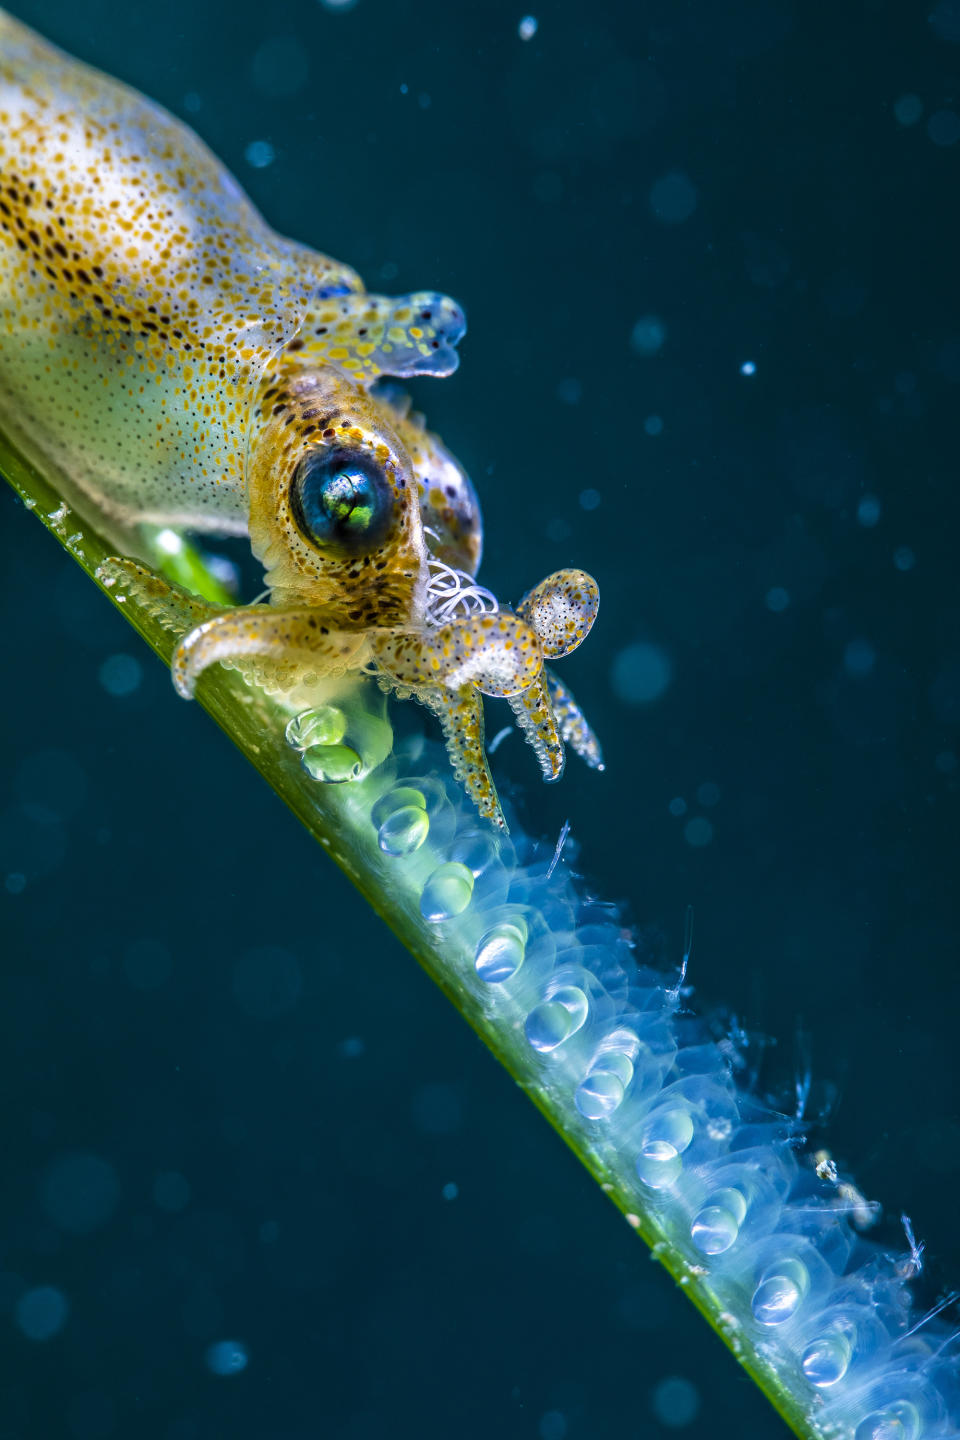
(708, 254)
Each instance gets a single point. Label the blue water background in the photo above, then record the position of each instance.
(234, 1109)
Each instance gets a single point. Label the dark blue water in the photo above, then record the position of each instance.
(762, 475)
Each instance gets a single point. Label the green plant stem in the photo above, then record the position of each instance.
(256, 724)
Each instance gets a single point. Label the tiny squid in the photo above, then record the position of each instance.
(181, 365)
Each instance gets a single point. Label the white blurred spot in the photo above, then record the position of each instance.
(641, 673)
(648, 335)
(677, 806)
(748, 368)
(494, 745)
(859, 658)
(451, 1190)
(698, 832)
(675, 1402)
(944, 19)
(673, 198)
(528, 27)
(42, 1312)
(908, 109)
(868, 512)
(589, 499)
(260, 154)
(120, 675)
(227, 1357)
(943, 127)
(168, 541)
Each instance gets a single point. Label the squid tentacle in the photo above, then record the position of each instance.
(293, 640)
(369, 336)
(535, 716)
(572, 723)
(562, 609)
(498, 653)
(460, 714)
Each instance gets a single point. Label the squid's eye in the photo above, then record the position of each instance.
(341, 500)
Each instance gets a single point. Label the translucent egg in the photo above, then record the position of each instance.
(673, 1125)
(898, 1421)
(396, 799)
(778, 1296)
(659, 1165)
(447, 893)
(599, 1094)
(550, 1024)
(476, 850)
(404, 831)
(500, 953)
(333, 764)
(326, 725)
(714, 1230)
(827, 1359)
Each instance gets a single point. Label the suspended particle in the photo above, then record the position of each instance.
(698, 832)
(260, 154)
(943, 127)
(908, 109)
(42, 1312)
(868, 512)
(944, 20)
(648, 335)
(528, 27)
(641, 673)
(227, 1357)
(675, 1402)
(553, 1426)
(859, 658)
(673, 198)
(120, 675)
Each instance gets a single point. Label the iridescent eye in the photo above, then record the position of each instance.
(341, 500)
